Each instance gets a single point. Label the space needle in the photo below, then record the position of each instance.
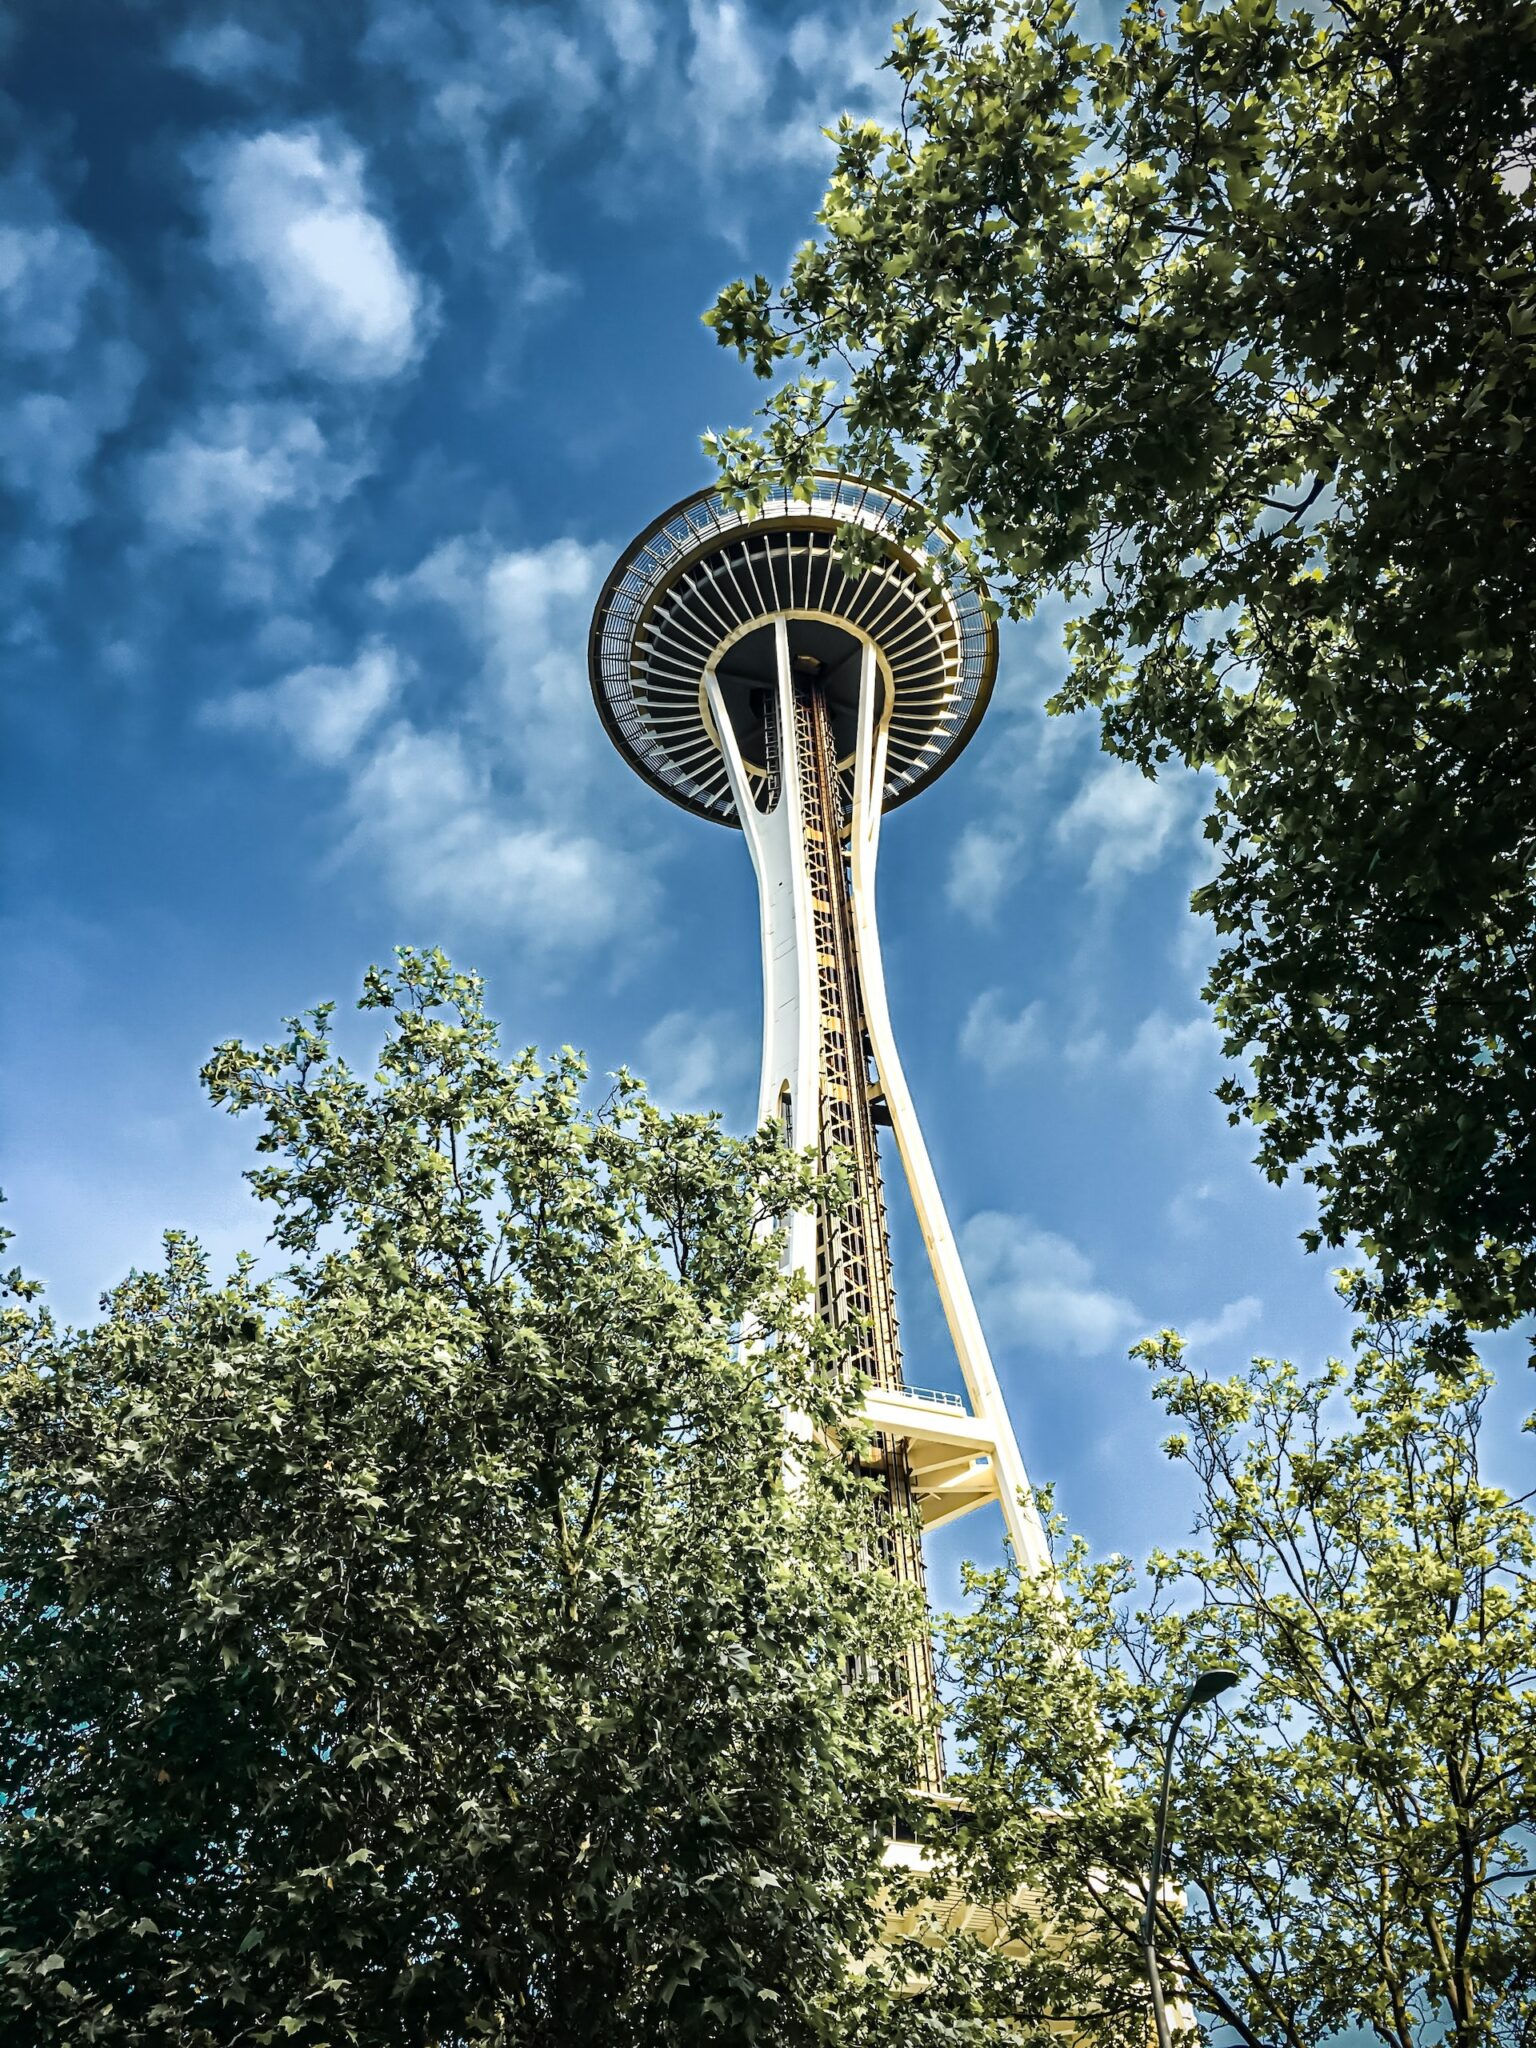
(751, 676)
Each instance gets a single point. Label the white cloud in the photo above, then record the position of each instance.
(428, 818)
(728, 73)
(677, 105)
(479, 87)
(48, 269)
(538, 53)
(500, 178)
(526, 612)
(985, 864)
(1194, 948)
(1086, 1049)
(1126, 821)
(1227, 1323)
(1168, 1054)
(538, 606)
(757, 93)
(1171, 1055)
(733, 69)
(250, 480)
(323, 711)
(1034, 1287)
(453, 574)
(632, 29)
(228, 53)
(1192, 1210)
(1022, 756)
(1514, 166)
(998, 1042)
(290, 208)
(74, 372)
(50, 439)
(472, 818)
(232, 467)
(695, 1059)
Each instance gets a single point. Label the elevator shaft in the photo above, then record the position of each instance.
(854, 1283)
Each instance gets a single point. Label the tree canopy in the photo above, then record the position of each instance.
(1351, 1837)
(1227, 330)
(426, 1646)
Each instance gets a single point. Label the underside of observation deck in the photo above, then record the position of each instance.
(702, 577)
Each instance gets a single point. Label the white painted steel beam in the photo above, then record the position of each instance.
(790, 1075)
(1021, 1517)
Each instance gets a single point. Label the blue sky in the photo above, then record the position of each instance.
(346, 347)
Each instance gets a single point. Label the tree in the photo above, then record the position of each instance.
(1353, 1839)
(426, 1647)
(1228, 331)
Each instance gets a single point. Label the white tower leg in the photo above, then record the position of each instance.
(959, 1461)
(1020, 1515)
(787, 1090)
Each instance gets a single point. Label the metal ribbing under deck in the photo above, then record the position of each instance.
(853, 1257)
(794, 572)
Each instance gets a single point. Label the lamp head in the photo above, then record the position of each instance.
(1207, 1685)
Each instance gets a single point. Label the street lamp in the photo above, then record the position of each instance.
(1205, 1687)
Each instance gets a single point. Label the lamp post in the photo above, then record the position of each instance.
(1205, 1687)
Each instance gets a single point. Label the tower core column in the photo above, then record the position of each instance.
(854, 1283)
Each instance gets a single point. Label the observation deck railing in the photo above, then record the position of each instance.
(934, 1397)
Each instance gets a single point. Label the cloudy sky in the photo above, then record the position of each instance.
(345, 348)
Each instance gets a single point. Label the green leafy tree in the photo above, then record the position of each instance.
(1353, 1840)
(1228, 332)
(427, 1647)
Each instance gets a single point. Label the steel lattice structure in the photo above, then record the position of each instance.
(753, 679)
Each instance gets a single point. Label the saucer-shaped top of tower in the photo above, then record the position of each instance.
(697, 590)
